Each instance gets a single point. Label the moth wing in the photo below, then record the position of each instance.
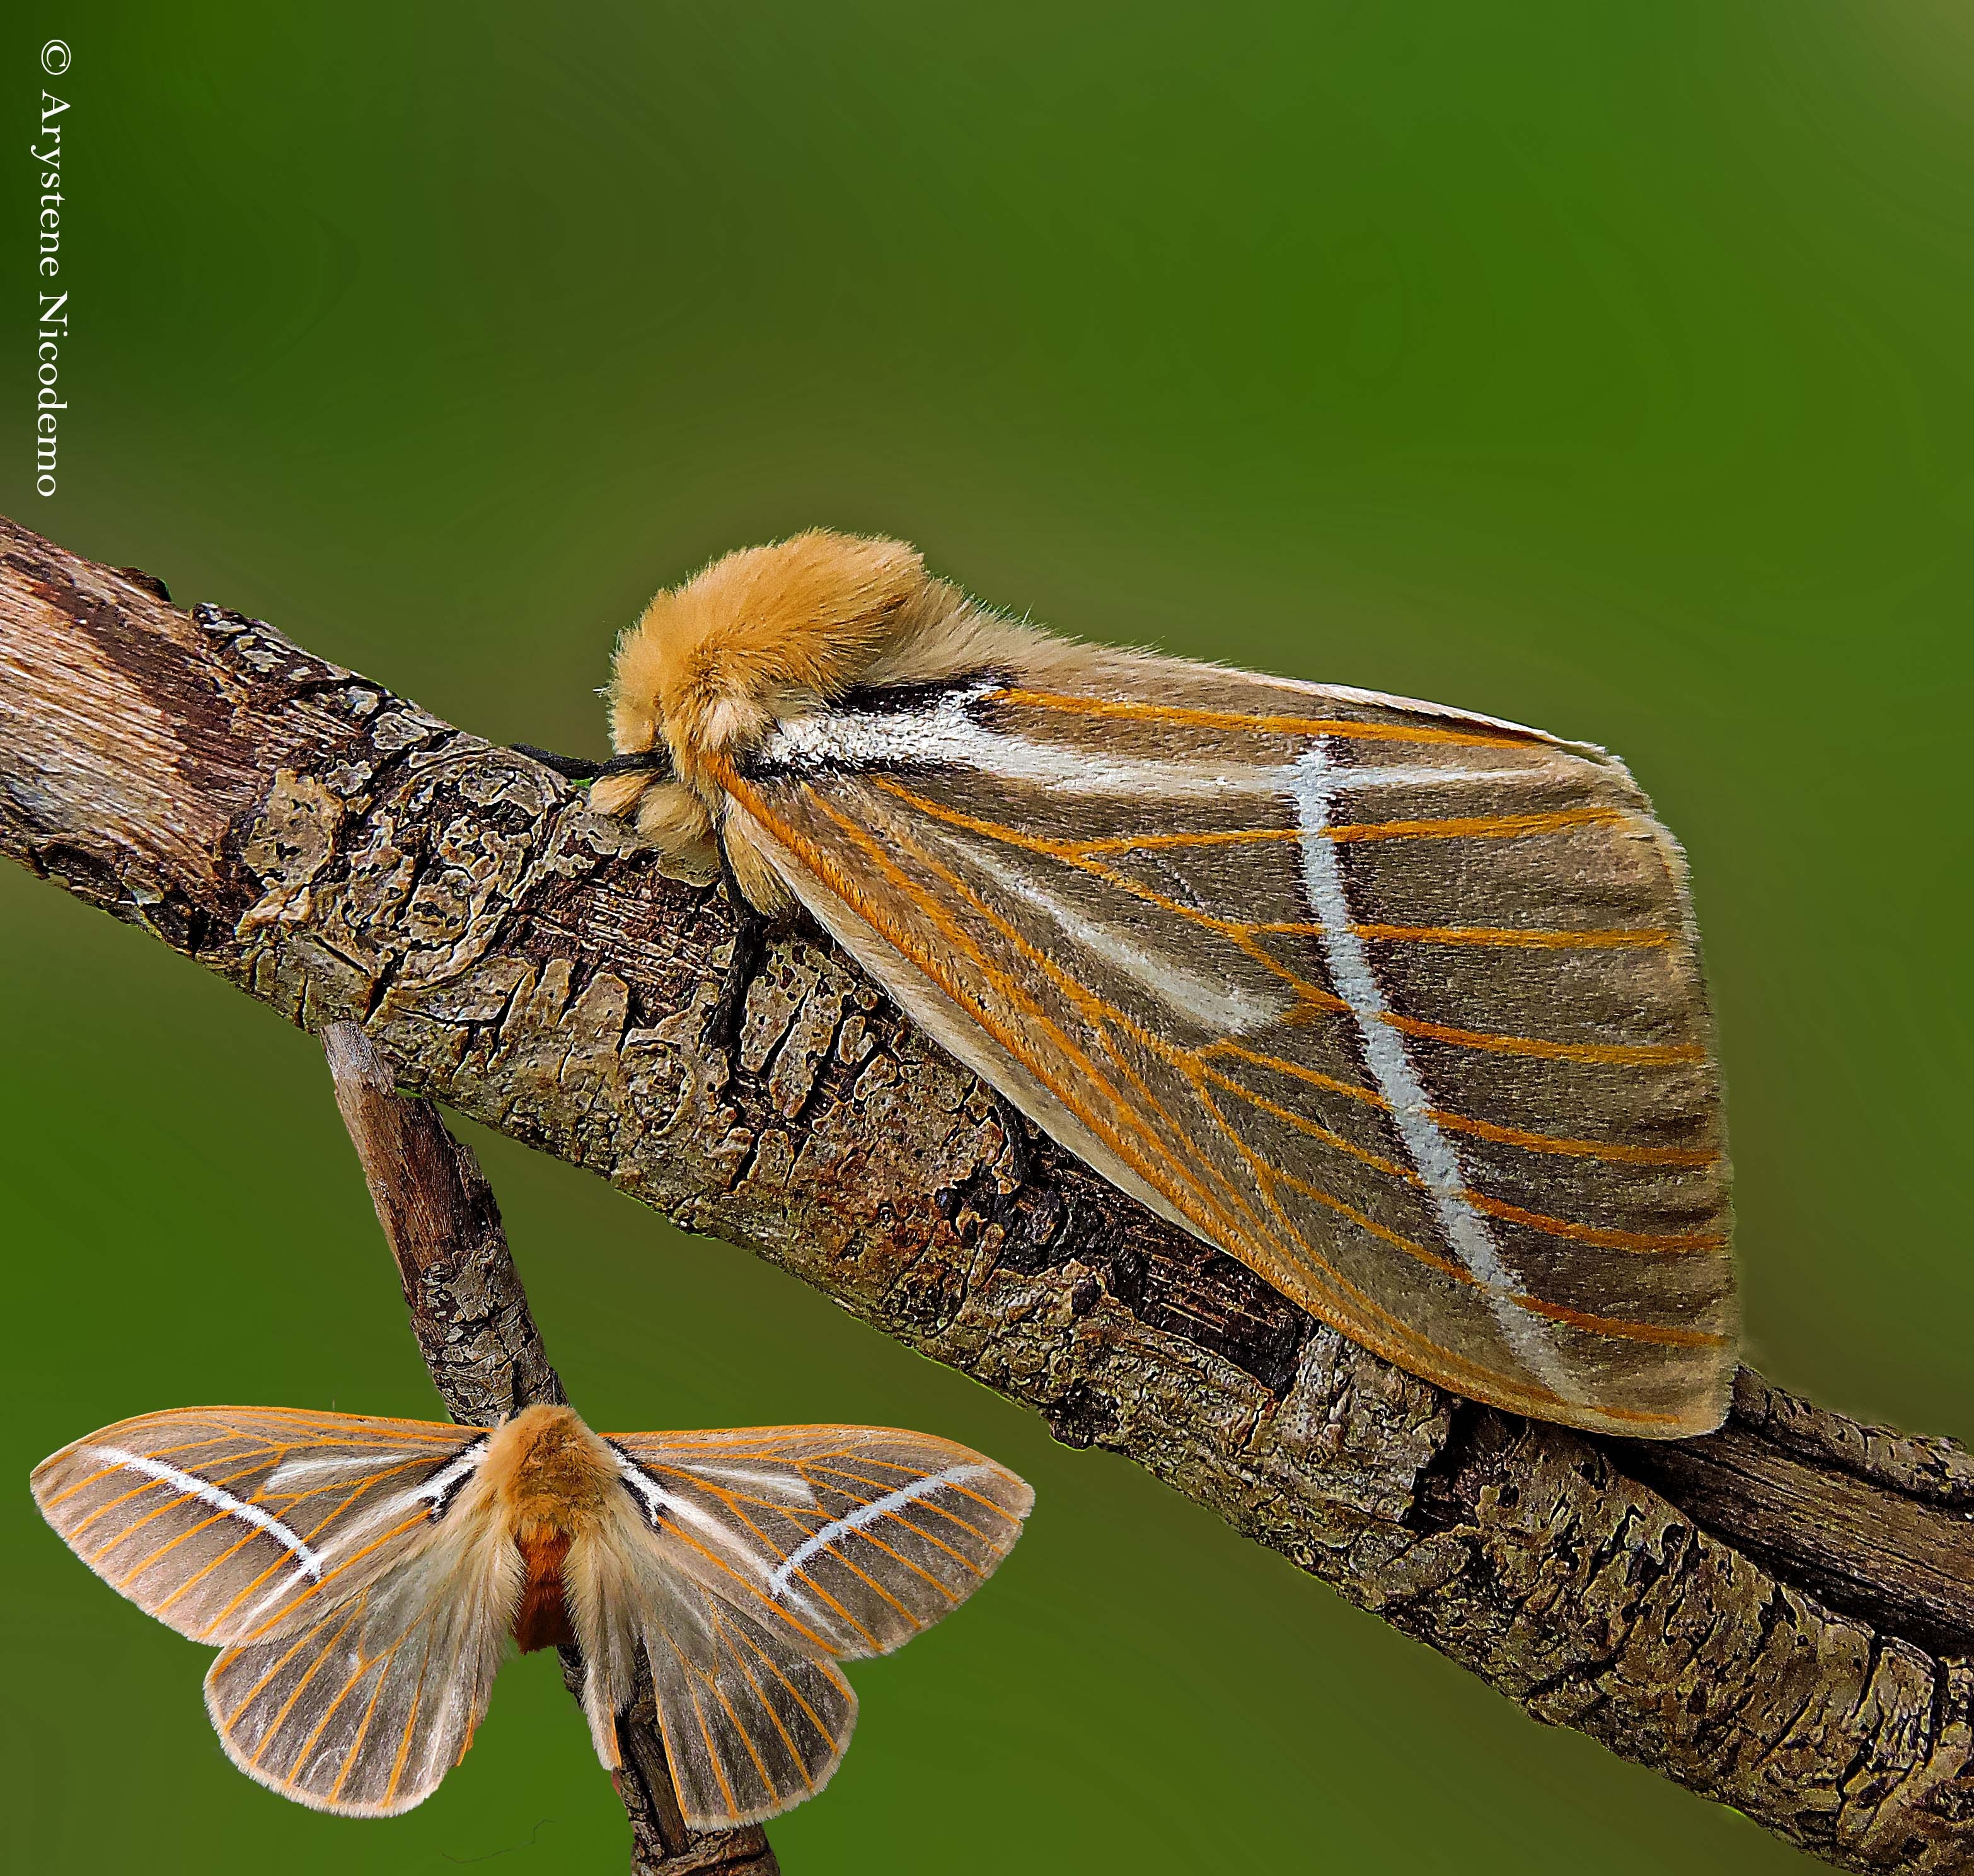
(366, 1708)
(229, 1523)
(769, 1550)
(854, 1537)
(1401, 1008)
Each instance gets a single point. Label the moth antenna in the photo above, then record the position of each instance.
(570, 768)
(657, 762)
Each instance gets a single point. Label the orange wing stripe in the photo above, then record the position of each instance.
(1608, 1240)
(1641, 1052)
(404, 1741)
(1265, 725)
(1623, 1329)
(1463, 827)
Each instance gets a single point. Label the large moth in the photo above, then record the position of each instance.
(363, 1577)
(1400, 1005)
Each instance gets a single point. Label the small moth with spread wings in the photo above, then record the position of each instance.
(363, 1575)
(1398, 1005)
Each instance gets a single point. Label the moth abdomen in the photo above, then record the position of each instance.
(542, 1620)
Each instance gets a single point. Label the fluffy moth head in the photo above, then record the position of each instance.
(712, 664)
(763, 635)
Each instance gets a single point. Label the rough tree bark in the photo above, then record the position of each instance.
(470, 1314)
(1780, 1616)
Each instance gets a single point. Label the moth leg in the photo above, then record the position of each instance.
(724, 1022)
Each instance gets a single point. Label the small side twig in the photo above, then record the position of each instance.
(471, 1316)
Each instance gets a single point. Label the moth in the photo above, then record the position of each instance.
(363, 1577)
(1399, 1006)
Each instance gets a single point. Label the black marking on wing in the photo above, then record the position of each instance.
(454, 1487)
(647, 1509)
(920, 697)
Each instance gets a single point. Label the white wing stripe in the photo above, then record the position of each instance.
(220, 1500)
(867, 1514)
(1215, 1003)
(442, 1480)
(946, 737)
(784, 1487)
(944, 734)
(1316, 783)
(290, 1470)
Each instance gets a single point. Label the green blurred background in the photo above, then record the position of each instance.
(1603, 366)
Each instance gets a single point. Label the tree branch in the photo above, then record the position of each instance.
(479, 1339)
(1779, 1616)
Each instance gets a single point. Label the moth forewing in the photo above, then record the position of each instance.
(228, 1523)
(853, 1539)
(1277, 1021)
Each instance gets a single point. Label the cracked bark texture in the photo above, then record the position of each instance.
(470, 1314)
(1779, 1616)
